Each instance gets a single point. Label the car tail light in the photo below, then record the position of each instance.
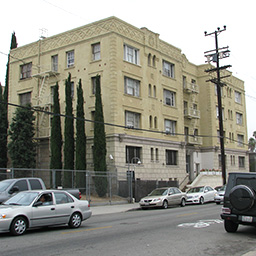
(80, 195)
(226, 210)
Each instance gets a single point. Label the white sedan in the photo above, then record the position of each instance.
(200, 195)
(40, 208)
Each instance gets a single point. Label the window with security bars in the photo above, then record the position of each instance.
(132, 119)
(133, 154)
(25, 70)
(171, 157)
(132, 86)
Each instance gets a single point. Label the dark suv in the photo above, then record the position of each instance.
(239, 201)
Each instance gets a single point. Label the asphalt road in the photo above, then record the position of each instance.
(191, 230)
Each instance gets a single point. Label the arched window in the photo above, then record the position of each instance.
(149, 59)
(155, 122)
(149, 90)
(150, 121)
(154, 60)
(154, 91)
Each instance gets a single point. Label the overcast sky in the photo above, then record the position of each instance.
(179, 22)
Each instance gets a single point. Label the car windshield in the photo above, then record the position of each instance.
(159, 192)
(196, 190)
(4, 184)
(22, 198)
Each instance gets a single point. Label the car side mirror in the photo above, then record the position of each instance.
(36, 204)
(14, 189)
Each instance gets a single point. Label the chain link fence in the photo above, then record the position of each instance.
(113, 187)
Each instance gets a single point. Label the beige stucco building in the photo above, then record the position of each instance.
(150, 91)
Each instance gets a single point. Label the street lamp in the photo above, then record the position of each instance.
(130, 175)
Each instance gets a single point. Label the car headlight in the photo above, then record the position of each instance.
(2, 216)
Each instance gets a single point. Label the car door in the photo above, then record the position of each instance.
(206, 194)
(65, 206)
(178, 195)
(171, 196)
(43, 213)
(211, 193)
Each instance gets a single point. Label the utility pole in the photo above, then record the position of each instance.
(214, 56)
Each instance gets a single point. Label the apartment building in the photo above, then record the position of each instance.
(164, 110)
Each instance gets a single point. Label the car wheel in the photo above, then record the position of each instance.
(201, 200)
(165, 204)
(18, 226)
(75, 220)
(230, 226)
(242, 197)
(183, 202)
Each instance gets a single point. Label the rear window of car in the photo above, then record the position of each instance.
(35, 184)
(5, 184)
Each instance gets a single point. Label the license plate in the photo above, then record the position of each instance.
(247, 218)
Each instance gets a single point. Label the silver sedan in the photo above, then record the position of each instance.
(40, 208)
(163, 197)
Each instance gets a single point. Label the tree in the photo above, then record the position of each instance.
(4, 111)
(99, 146)
(80, 138)
(69, 146)
(56, 137)
(252, 142)
(22, 146)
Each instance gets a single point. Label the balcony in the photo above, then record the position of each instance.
(191, 113)
(191, 88)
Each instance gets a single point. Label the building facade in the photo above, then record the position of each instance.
(163, 112)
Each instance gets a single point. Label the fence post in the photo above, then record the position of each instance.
(110, 187)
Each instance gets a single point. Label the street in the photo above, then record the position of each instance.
(190, 230)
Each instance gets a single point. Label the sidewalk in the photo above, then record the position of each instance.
(114, 208)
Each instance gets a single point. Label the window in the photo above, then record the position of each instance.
(70, 59)
(238, 97)
(149, 90)
(169, 98)
(217, 112)
(240, 140)
(132, 120)
(96, 51)
(170, 126)
(171, 157)
(132, 86)
(154, 61)
(184, 81)
(131, 54)
(62, 198)
(25, 98)
(149, 59)
(72, 90)
(55, 63)
(21, 184)
(93, 80)
(35, 184)
(168, 69)
(25, 71)
(150, 121)
(133, 154)
(239, 118)
(154, 91)
(152, 154)
(241, 160)
(157, 155)
(155, 122)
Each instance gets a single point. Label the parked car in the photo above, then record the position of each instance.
(239, 206)
(10, 187)
(163, 197)
(200, 195)
(219, 197)
(38, 208)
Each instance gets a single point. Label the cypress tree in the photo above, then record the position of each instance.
(4, 111)
(99, 146)
(80, 139)
(56, 137)
(22, 147)
(69, 146)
